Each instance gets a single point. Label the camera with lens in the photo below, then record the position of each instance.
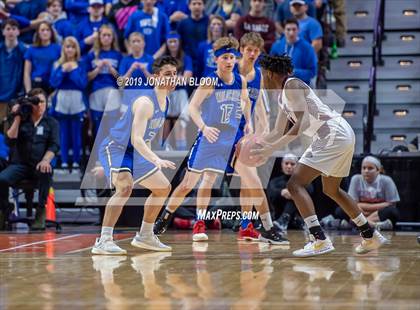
(26, 105)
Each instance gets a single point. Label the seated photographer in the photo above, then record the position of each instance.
(33, 138)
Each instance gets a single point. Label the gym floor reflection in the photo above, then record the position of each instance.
(220, 274)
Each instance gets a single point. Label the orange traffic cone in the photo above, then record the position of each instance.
(50, 206)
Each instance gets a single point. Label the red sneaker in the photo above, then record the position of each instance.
(199, 231)
(216, 224)
(250, 233)
(180, 223)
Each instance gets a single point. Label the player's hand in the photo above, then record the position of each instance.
(248, 128)
(211, 134)
(264, 151)
(162, 163)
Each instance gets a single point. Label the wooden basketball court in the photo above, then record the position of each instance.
(57, 271)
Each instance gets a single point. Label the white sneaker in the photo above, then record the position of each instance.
(384, 225)
(107, 247)
(200, 237)
(371, 244)
(315, 247)
(149, 242)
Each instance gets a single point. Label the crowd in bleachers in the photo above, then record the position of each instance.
(76, 49)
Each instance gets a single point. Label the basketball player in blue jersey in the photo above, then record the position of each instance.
(127, 159)
(217, 111)
(252, 192)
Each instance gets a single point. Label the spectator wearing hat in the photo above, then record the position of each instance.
(281, 201)
(12, 53)
(152, 24)
(375, 193)
(309, 28)
(283, 13)
(255, 21)
(302, 53)
(193, 30)
(87, 30)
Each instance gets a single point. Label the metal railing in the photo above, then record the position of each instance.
(370, 112)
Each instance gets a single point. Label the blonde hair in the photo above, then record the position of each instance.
(253, 39)
(224, 31)
(97, 45)
(37, 39)
(229, 42)
(63, 57)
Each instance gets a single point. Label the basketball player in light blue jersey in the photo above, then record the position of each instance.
(252, 192)
(127, 159)
(216, 111)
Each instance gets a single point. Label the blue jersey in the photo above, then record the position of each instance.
(121, 132)
(223, 108)
(254, 88)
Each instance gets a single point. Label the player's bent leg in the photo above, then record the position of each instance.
(160, 187)
(203, 200)
(319, 244)
(105, 245)
(372, 239)
(178, 195)
(251, 181)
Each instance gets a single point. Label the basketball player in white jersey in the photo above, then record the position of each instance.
(329, 155)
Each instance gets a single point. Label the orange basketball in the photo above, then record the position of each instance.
(243, 151)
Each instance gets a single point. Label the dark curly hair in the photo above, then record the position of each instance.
(163, 61)
(277, 64)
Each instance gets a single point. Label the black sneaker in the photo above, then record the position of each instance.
(162, 223)
(274, 237)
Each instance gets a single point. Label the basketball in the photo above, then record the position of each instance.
(245, 146)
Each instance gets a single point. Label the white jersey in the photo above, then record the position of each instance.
(319, 113)
(332, 147)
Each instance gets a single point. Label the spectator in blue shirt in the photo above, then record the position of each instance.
(217, 29)
(309, 28)
(55, 15)
(40, 57)
(283, 13)
(102, 66)
(87, 30)
(153, 24)
(177, 116)
(193, 30)
(77, 10)
(69, 77)
(30, 10)
(302, 53)
(11, 65)
(176, 10)
(229, 10)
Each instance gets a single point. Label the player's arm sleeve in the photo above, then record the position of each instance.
(142, 111)
(354, 189)
(391, 191)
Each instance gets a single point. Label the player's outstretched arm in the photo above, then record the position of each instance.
(202, 92)
(246, 106)
(143, 111)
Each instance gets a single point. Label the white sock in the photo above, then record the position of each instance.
(360, 220)
(106, 232)
(311, 221)
(146, 228)
(266, 220)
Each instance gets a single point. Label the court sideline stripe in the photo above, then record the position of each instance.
(39, 242)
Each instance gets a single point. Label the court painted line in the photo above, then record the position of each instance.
(90, 247)
(39, 242)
